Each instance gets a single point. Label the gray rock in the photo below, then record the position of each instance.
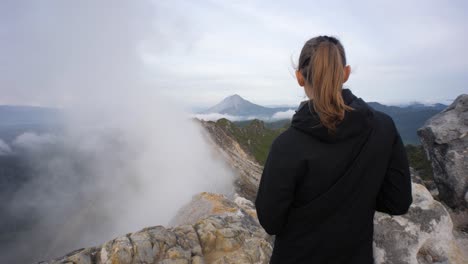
(423, 235)
(445, 140)
(226, 231)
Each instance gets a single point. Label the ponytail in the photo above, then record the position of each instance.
(323, 61)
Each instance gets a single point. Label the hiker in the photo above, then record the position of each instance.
(327, 174)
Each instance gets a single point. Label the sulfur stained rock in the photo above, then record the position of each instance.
(221, 232)
(226, 233)
(143, 248)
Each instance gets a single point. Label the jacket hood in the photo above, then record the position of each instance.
(354, 123)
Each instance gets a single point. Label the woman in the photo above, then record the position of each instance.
(327, 174)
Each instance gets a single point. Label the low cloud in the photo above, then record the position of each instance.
(275, 117)
(4, 148)
(216, 116)
(283, 115)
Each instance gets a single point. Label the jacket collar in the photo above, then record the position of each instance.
(354, 123)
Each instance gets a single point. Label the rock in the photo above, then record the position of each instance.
(445, 141)
(429, 184)
(206, 204)
(247, 205)
(221, 232)
(423, 235)
(214, 229)
(242, 162)
(203, 205)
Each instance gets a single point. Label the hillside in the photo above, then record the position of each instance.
(256, 136)
(407, 118)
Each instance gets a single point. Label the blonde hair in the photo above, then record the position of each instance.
(321, 62)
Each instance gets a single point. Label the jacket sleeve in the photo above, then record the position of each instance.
(395, 195)
(276, 190)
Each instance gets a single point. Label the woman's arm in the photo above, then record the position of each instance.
(276, 189)
(395, 195)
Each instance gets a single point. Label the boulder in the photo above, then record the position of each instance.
(428, 183)
(423, 235)
(445, 141)
(205, 204)
(213, 229)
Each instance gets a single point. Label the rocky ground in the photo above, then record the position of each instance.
(210, 229)
(214, 228)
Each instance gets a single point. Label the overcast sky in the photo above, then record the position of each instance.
(199, 52)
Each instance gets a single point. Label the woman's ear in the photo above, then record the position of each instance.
(347, 72)
(300, 78)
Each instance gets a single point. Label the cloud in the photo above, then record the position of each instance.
(33, 141)
(284, 115)
(216, 116)
(4, 148)
(128, 156)
(248, 50)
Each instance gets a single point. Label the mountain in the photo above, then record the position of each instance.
(407, 118)
(414, 107)
(16, 120)
(235, 105)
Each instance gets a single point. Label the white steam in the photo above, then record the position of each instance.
(127, 157)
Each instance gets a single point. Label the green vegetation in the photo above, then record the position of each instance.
(418, 160)
(256, 136)
(253, 136)
(283, 123)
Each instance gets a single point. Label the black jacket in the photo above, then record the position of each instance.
(318, 193)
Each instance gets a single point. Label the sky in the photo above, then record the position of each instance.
(199, 52)
(124, 70)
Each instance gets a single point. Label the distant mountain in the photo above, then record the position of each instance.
(15, 120)
(235, 105)
(421, 105)
(407, 118)
(414, 107)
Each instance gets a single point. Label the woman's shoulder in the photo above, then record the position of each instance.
(384, 119)
(287, 140)
(285, 149)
